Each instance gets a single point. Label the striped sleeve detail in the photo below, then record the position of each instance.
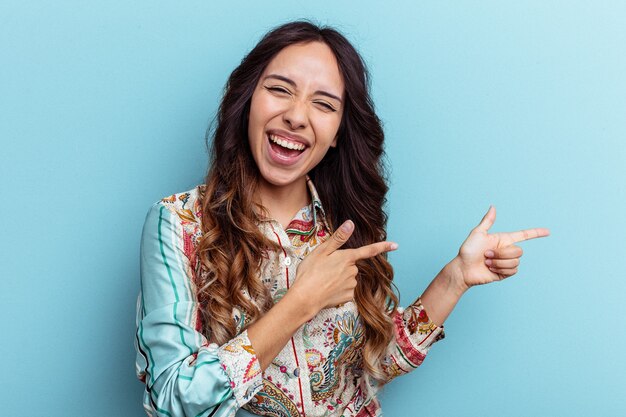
(182, 372)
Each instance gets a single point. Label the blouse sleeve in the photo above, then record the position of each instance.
(415, 333)
(183, 373)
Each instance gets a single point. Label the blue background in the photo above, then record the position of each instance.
(103, 110)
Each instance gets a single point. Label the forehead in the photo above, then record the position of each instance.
(308, 64)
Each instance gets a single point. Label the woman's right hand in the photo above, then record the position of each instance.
(327, 276)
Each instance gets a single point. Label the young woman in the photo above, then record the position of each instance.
(267, 288)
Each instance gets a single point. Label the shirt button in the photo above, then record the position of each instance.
(287, 260)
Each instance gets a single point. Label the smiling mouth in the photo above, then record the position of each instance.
(284, 148)
(286, 143)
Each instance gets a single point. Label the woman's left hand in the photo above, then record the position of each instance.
(485, 257)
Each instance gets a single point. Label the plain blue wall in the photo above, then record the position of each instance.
(103, 109)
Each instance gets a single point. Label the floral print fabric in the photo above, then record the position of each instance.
(318, 373)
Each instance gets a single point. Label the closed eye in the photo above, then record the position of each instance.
(278, 90)
(326, 105)
(282, 91)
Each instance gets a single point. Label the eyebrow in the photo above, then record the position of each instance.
(293, 84)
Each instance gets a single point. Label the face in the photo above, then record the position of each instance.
(295, 112)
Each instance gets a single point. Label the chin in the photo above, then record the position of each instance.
(281, 179)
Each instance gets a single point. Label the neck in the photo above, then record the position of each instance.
(283, 202)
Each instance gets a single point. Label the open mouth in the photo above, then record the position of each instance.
(284, 149)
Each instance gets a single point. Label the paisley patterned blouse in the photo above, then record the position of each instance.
(318, 373)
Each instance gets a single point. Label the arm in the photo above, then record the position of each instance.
(183, 373)
(482, 258)
(444, 291)
(415, 332)
(325, 278)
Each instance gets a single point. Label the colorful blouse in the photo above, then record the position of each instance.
(318, 373)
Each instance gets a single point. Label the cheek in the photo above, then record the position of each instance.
(327, 128)
(263, 107)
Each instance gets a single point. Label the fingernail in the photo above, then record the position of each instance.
(393, 246)
(489, 254)
(347, 226)
(488, 261)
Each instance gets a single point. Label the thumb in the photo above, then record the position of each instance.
(341, 236)
(487, 220)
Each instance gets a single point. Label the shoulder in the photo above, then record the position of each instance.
(176, 221)
(185, 207)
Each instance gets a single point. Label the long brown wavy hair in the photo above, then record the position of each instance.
(350, 181)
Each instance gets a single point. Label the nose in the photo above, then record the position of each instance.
(295, 116)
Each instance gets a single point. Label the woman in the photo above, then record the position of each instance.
(268, 287)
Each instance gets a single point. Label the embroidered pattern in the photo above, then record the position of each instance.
(319, 372)
(240, 363)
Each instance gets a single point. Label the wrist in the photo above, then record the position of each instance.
(444, 292)
(303, 305)
(454, 271)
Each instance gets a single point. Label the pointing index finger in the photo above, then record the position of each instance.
(527, 234)
(371, 250)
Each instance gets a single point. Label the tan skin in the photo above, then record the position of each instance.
(327, 276)
(299, 93)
